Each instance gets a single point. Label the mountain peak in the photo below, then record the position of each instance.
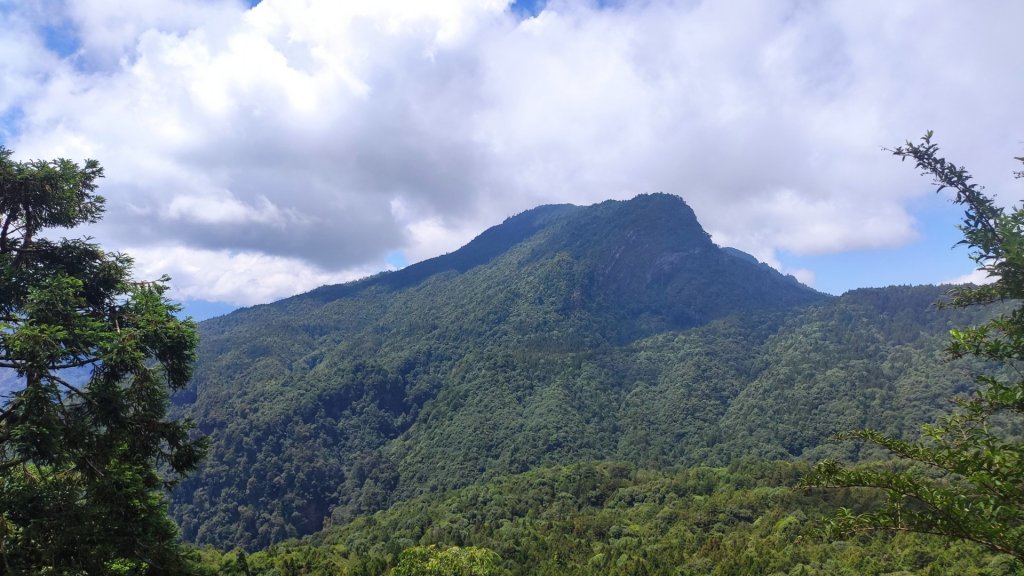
(645, 262)
(378, 369)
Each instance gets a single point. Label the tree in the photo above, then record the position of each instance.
(454, 561)
(964, 478)
(86, 447)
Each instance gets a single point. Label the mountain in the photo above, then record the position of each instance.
(10, 383)
(565, 334)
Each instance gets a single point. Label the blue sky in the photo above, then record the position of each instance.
(256, 150)
(527, 8)
(934, 256)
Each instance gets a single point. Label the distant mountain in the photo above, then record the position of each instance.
(648, 256)
(10, 383)
(566, 333)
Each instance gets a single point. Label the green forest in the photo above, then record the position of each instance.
(579, 390)
(349, 399)
(612, 518)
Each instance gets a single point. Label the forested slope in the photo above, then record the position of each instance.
(566, 334)
(613, 519)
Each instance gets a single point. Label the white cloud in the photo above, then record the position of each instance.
(240, 278)
(805, 276)
(975, 277)
(24, 66)
(292, 130)
(226, 209)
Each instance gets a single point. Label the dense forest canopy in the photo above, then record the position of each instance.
(616, 331)
(612, 518)
(578, 390)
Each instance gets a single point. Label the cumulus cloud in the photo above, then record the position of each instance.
(805, 276)
(242, 278)
(975, 277)
(321, 136)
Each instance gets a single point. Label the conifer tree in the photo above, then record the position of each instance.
(964, 478)
(86, 447)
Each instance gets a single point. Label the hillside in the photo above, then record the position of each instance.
(566, 334)
(612, 519)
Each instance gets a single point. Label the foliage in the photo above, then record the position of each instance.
(493, 359)
(611, 518)
(964, 478)
(519, 353)
(79, 487)
(453, 561)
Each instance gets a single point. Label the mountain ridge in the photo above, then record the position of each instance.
(613, 331)
(573, 228)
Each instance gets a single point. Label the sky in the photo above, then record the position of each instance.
(256, 150)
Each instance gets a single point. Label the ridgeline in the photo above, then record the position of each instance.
(566, 334)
